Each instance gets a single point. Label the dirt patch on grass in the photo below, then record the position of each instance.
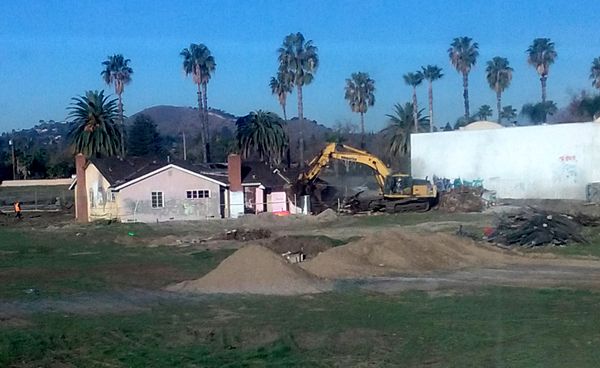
(254, 270)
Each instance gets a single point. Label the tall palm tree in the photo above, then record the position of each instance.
(199, 63)
(118, 72)
(261, 132)
(463, 53)
(281, 86)
(401, 126)
(414, 80)
(499, 76)
(595, 73)
(431, 73)
(94, 131)
(298, 57)
(360, 94)
(541, 54)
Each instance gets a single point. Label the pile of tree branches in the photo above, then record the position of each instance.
(534, 227)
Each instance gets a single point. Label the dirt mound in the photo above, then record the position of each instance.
(389, 252)
(254, 270)
(327, 216)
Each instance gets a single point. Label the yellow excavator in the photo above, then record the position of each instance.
(398, 192)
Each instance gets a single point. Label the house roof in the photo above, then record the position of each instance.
(265, 174)
(132, 169)
(121, 173)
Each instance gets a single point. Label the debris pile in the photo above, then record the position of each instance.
(246, 234)
(533, 228)
(465, 199)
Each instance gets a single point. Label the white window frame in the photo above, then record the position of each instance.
(159, 204)
(195, 194)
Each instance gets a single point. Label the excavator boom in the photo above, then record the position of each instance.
(342, 152)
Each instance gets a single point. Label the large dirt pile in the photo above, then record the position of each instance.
(389, 252)
(255, 270)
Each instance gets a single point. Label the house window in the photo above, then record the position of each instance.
(195, 194)
(157, 200)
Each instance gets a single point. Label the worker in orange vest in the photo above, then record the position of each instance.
(18, 210)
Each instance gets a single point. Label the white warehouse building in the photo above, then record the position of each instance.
(536, 162)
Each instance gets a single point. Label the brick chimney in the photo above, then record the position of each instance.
(234, 172)
(81, 200)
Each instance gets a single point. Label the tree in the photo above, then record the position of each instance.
(360, 94)
(281, 86)
(595, 73)
(463, 55)
(199, 63)
(537, 113)
(298, 58)
(541, 55)
(414, 80)
(431, 73)
(143, 138)
(94, 131)
(499, 76)
(484, 112)
(118, 72)
(401, 126)
(261, 132)
(508, 113)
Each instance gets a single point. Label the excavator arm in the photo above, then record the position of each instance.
(342, 152)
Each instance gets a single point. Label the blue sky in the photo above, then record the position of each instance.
(51, 51)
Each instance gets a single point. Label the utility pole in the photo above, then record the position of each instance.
(14, 171)
(184, 147)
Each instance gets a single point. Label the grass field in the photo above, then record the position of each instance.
(65, 297)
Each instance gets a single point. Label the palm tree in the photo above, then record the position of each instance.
(360, 94)
(118, 72)
(541, 55)
(463, 55)
(401, 126)
(499, 76)
(198, 62)
(484, 112)
(595, 73)
(508, 113)
(94, 131)
(298, 58)
(431, 73)
(413, 80)
(261, 132)
(281, 86)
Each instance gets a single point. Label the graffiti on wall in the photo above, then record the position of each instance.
(567, 170)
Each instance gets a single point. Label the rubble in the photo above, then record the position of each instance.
(466, 199)
(534, 227)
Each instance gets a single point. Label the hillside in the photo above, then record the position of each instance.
(171, 120)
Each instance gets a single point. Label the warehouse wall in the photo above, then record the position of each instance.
(545, 161)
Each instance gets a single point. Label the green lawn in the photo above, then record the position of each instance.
(492, 327)
(56, 263)
(498, 327)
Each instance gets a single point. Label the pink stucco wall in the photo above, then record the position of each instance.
(135, 201)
